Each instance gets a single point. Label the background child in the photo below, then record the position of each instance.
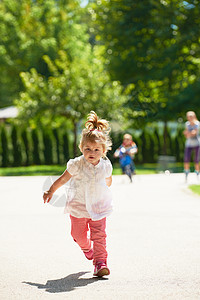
(126, 152)
(89, 198)
(192, 144)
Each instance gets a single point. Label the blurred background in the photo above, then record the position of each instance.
(135, 63)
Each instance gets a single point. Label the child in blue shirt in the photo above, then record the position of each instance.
(126, 153)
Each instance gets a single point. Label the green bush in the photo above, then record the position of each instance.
(48, 146)
(58, 146)
(27, 146)
(36, 147)
(65, 146)
(16, 146)
(4, 147)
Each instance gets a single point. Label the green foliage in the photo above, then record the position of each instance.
(27, 145)
(36, 147)
(73, 90)
(180, 145)
(65, 146)
(48, 146)
(158, 142)
(57, 136)
(16, 145)
(152, 49)
(33, 146)
(52, 71)
(29, 30)
(63, 63)
(4, 148)
(58, 64)
(147, 151)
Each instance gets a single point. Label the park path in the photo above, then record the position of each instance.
(153, 243)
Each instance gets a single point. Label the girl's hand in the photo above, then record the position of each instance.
(57, 184)
(133, 151)
(109, 181)
(47, 196)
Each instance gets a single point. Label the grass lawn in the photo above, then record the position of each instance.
(195, 188)
(32, 171)
(58, 170)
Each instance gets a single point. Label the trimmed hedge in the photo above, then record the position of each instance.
(38, 146)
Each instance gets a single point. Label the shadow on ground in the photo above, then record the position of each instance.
(66, 284)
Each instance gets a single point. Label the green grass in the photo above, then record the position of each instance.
(58, 170)
(140, 169)
(32, 170)
(195, 188)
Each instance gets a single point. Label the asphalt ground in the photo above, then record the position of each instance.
(153, 242)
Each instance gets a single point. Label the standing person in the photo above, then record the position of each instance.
(89, 200)
(191, 133)
(126, 153)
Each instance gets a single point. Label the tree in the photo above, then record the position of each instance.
(75, 88)
(152, 49)
(29, 30)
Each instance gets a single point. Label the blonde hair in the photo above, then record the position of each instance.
(127, 136)
(96, 130)
(191, 113)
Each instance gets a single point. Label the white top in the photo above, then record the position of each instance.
(192, 141)
(88, 195)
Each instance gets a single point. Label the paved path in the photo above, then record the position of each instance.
(153, 243)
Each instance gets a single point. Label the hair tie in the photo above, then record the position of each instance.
(95, 129)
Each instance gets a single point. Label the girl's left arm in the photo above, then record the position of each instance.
(109, 181)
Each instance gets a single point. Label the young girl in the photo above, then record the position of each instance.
(89, 198)
(126, 153)
(191, 133)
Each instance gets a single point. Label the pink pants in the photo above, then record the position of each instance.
(79, 229)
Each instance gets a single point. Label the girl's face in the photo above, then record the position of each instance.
(92, 152)
(127, 141)
(191, 117)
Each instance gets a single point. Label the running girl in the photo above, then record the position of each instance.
(89, 199)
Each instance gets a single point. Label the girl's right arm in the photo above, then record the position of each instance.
(56, 185)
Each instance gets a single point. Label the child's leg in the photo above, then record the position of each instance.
(98, 236)
(79, 229)
(196, 159)
(123, 169)
(187, 156)
(133, 167)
